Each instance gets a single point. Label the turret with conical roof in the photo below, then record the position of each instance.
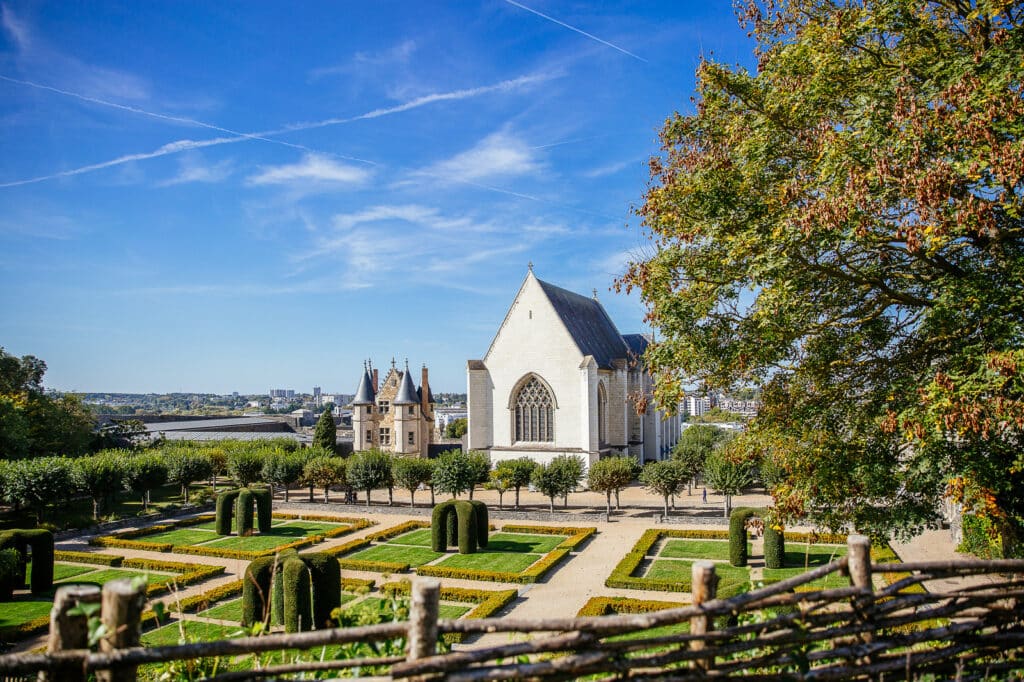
(406, 390)
(365, 394)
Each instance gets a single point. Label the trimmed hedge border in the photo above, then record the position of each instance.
(605, 606)
(201, 602)
(577, 536)
(95, 558)
(350, 546)
(822, 538)
(373, 566)
(488, 602)
(395, 531)
(200, 550)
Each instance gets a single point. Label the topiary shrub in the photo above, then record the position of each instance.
(298, 605)
(40, 541)
(10, 573)
(466, 513)
(440, 518)
(245, 506)
(774, 547)
(225, 510)
(483, 524)
(738, 535)
(256, 590)
(325, 575)
(264, 508)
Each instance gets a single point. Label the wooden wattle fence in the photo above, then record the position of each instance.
(777, 632)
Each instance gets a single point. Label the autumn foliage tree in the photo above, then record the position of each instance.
(843, 226)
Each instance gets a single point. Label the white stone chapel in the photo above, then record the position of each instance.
(559, 379)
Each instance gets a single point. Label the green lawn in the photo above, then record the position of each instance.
(103, 575)
(697, 549)
(490, 560)
(65, 571)
(522, 542)
(182, 536)
(819, 555)
(308, 527)
(398, 554)
(171, 633)
(23, 609)
(831, 581)
(453, 611)
(682, 571)
(420, 537)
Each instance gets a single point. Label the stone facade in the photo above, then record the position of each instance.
(393, 416)
(559, 379)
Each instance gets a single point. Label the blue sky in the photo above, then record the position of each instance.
(234, 196)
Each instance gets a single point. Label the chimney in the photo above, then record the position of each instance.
(376, 384)
(425, 392)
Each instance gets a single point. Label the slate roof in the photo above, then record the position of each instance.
(588, 324)
(365, 394)
(406, 390)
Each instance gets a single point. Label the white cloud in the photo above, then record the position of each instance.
(612, 168)
(394, 56)
(192, 169)
(17, 29)
(313, 168)
(497, 155)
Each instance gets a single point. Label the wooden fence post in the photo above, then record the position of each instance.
(858, 552)
(69, 631)
(121, 614)
(424, 606)
(704, 588)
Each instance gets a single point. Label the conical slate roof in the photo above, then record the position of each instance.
(406, 391)
(365, 394)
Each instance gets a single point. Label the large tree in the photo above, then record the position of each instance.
(326, 432)
(843, 226)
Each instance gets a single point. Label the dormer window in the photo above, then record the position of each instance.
(384, 406)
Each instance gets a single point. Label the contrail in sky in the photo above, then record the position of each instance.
(577, 30)
(263, 136)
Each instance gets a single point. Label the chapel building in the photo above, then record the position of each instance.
(395, 417)
(559, 379)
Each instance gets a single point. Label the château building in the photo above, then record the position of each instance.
(395, 416)
(559, 379)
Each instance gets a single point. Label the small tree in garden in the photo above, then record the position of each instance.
(664, 478)
(499, 481)
(480, 464)
(369, 470)
(326, 432)
(246, 466)
(412, 472)
(725, 472)
(142, 473)
(456, 428)
(453, 473)
(518, 472)
(548, 480)
(609, 476)
(184, 468)
(283, 469)
(218, 464)
(324, 472)
(570, 470)
(39, 482)
(100, 477)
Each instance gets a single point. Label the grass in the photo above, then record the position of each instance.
(490, 560)
(819, 555)
(103, 575)
(521, 542)
(279, 535)
(682, 572)
(697, 549)
(832, 580)
(232, 610)
(419, 537)
(24, 608)
(171, 633)
(182, 536)
(65, 571)
(400, 554)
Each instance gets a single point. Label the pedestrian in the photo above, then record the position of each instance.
(704, 497)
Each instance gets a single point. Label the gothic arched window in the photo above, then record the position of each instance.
(534, 412)
(602, 414)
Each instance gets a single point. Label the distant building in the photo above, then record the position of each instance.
(316, 395)
(745, 408)
(696, 405)
(443, 416)
(395, 416)
(282, 393)
(559, 379)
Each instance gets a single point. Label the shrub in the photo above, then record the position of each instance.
(325, 576)
(256, 584)
(88, 558)
(245, 466)
(11, 577)
(245, 507)
(412, 472)
(369, 471)
(40, 541)
(298, 607)
(605, 606)
(264, 508)
(395, 531)
(738, 534)
(225, 511)
(774, 547)
(466, 513)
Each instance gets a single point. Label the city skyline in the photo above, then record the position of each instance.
(220, 198)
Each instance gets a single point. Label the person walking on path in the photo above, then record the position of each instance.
(704, 497)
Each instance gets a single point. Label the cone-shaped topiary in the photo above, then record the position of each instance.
(483, 523)
(325, 574)
(467, 526)
(40, 541)
(245, 506)
(225, 511)
(298, 605)
(774, 547)
(738, 535)
(264, 508)
(256, 590)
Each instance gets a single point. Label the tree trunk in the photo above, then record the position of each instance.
(310, 492)
(327, 488)
(608, 506)
(565, 501)
(471, 491)
(616, 499)
(431, 496)
(213, 482)
(391, 496)
(666, 506)
(368, 497)
(145, 501)
(552, 507)
(673, 499)
(184, 492)
(286, 492)
(501, 494)
(95, 509)
(728, 505)
(517, 498)
(412, 497)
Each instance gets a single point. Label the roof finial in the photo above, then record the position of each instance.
(530, 266)
(392, 362)
(595, 294)
(407, 364)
